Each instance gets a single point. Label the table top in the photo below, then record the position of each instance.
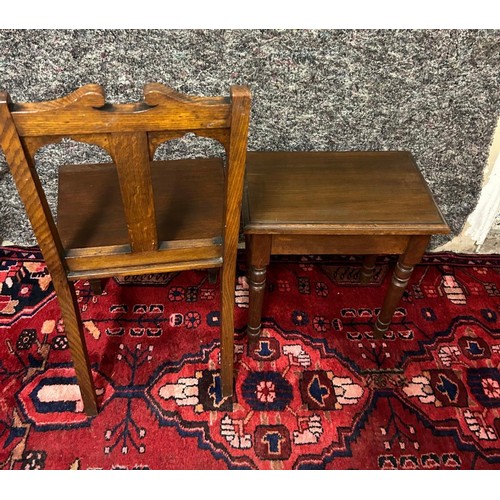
(366, 192)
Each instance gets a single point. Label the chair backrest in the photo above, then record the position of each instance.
(130, 133)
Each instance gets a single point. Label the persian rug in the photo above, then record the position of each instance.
(316, 392)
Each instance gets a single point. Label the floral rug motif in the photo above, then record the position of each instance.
(316, 391)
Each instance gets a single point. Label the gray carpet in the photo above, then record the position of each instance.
(435, 93)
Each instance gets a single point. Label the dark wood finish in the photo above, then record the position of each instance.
(364, 203)
(134, 216)
(401, 276)
(258, 255)
(188, 203)
(365, 193)
(92, 213)
(355, 244)
(96, 286)
(212, 276)
(367, 269)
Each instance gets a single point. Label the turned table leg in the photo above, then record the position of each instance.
(401, 275)
(212, 275)
(257, 283)
(258, 249)
(96, 286)
(368, 268)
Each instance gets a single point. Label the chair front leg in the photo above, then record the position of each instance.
(228, 274)
(74, 333)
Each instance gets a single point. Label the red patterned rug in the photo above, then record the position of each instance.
(317, 391)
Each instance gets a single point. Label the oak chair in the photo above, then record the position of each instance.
(133, 216)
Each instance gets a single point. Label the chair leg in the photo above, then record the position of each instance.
(228, 273)
(74, 332)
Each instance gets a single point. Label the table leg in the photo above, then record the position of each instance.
(96, 286)
(212, 275)
(368, 268)
(402, 273)
(258, 255)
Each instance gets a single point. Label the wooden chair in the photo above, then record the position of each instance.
(136, 215)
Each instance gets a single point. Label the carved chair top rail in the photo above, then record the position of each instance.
(85, 111)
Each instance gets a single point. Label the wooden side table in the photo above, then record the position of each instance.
(365, 203)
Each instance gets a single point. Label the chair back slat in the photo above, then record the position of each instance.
(130, 154)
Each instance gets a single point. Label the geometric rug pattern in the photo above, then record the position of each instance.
(316, 392)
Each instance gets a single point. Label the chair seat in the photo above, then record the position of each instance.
(368, 192)
(188, 203)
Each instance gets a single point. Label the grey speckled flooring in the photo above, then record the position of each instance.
(435, 93)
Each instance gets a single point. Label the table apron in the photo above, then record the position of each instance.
(339, 244)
